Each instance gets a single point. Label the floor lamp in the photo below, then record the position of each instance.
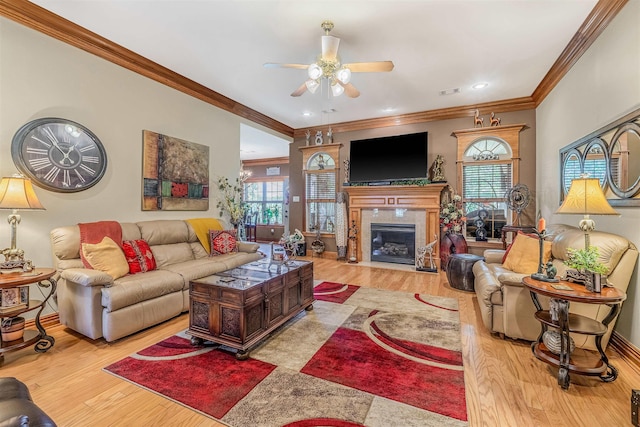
(586, 197)
(16, 192)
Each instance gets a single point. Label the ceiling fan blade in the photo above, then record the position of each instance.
(370, 67)
(275, 65)
(302, 89)
(350, 90)
(330, 48)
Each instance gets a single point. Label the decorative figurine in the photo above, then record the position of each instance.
(319, 137)
(353, 236)
(346, 164)
(321, 162)
(477, 120)
(437, 174)
(420, 259)
(494, 121)
(551, 270)
(307, 135)
(330, 136)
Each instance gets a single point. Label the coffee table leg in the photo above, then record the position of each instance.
(242, 355)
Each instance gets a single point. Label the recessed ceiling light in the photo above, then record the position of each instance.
(479, 85)
(388, 109)
(306, 113)
(450, 91)
(329, 111)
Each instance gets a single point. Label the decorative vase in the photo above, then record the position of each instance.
(551, 340)
(451, 243)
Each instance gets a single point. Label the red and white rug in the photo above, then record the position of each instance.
(362, 357)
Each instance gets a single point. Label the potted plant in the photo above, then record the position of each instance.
(586, 268)
(292, 243)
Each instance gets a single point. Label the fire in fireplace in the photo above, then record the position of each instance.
(394, 243)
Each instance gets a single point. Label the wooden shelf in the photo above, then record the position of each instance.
(582, 363)
(577, 323)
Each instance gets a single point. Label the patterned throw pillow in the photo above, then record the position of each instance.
(139, 256)
(222, 242)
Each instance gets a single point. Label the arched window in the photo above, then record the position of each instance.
(320, 190)
(488, 165)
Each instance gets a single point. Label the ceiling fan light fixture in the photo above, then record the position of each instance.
(314, 71)
(343, 75)
(336, 89)
(312, 85)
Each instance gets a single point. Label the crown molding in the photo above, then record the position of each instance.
(602, 14)
(46, 22)
(266, 162)
(40, 19)
(503, 106)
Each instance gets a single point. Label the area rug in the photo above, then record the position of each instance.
(362, 357)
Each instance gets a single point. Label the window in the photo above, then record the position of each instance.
(266, 198)
(487, 174)
(320, 191)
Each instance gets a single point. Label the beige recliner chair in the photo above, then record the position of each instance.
(506, 306)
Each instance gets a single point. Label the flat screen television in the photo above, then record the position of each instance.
(390, 158)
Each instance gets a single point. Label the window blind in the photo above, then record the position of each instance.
(321, 186)
(486, 180)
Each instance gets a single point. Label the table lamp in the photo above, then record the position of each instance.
(586, 197)
(16, 192)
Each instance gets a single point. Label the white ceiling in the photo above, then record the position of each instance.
(435, 45)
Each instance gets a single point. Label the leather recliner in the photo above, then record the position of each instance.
(505, 303)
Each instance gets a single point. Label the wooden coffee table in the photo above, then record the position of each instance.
(239, 307)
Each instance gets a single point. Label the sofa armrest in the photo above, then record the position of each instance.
(493, 256)
(248, 247)
(87, 277)
(512, 279)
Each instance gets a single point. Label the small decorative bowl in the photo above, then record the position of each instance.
(12, 328)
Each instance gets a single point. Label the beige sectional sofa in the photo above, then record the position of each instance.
(506, 306)
(93, 303)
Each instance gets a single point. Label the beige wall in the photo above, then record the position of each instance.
(42, 77)
(440, 141)
(602, 86)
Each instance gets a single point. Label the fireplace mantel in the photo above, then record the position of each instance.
(425, 198)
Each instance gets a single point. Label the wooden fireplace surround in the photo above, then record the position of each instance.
(397, 197)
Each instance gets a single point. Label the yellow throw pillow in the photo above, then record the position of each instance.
(525, 254)
(106, 256)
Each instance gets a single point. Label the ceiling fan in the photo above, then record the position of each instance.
(328, 66)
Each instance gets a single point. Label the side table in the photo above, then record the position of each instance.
(460, 271)
(43, 277)
(566, 323)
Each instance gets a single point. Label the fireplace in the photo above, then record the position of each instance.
(394, 243)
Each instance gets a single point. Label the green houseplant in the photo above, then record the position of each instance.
(585, 260)
(588, 269)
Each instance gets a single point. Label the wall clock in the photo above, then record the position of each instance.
(59, 154)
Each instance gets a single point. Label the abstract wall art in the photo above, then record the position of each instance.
(175, 174)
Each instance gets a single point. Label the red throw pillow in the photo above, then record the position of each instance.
(139, 256)
(222, 242)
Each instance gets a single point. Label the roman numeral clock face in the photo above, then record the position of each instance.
(59, 155)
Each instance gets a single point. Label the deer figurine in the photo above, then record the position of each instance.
(477, 120)
(495, 121)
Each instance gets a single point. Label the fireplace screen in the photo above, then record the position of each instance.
(394, 243)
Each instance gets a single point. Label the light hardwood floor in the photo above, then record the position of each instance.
(506, 385)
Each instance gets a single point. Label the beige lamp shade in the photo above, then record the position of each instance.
(17, 192)
(586, 197)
